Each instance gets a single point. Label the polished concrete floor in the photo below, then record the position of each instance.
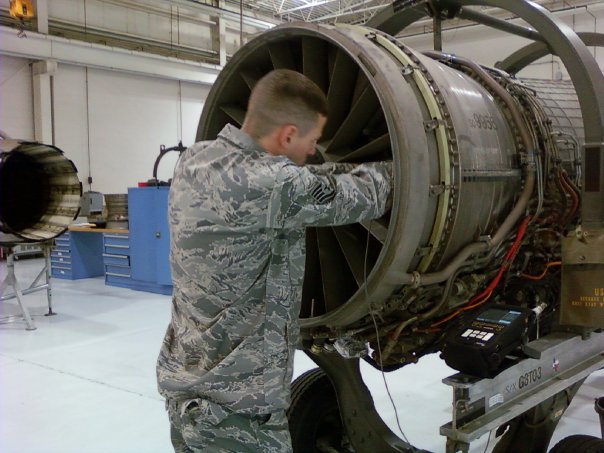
(84, 380)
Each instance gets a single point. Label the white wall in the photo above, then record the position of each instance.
(172, 24)
(70, 107)
(130, 117)
(112, 124)
(16, 102)
(161, 24)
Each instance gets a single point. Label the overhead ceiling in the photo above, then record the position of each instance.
(257, 15)
(341, 11)
(352, 11)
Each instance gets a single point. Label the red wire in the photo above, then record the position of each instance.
(539, 277)
(507, 262)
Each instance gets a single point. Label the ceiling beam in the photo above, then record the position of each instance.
(308, 5)
(350, 10)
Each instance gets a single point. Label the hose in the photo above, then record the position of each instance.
(529, 185)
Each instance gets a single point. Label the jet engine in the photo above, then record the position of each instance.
(492, 174)
(39, 192)
(484, 163)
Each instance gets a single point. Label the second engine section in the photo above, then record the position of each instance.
(39, 192)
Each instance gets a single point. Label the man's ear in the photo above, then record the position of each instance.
(286, 134)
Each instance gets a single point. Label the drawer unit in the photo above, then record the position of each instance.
(63, 239)
(59, 272)
(77, 255)
(116, 250)
(117, 270)
(61, 250)
(59, 255)
(58, 260)
(116, 259)
(114, 239)
(116, 244)
(117, 280)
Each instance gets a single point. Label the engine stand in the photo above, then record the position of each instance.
(528, 398)
(11, 281)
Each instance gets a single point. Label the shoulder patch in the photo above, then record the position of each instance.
(323, 190)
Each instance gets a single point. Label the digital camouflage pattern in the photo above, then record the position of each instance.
(201, 425)
(237, 216)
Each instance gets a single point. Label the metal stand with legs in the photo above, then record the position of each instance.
(46, 248)
(11, 281)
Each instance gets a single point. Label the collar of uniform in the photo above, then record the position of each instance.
(240, 139)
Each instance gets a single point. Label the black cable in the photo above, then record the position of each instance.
(377, 336)
(488, 441)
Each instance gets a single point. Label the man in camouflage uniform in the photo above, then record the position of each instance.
(238, 208)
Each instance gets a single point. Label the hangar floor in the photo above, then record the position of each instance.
(84, 381)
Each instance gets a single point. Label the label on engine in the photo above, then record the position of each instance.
(582, 302)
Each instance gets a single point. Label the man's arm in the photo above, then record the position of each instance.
(302, 197)
(331, 168)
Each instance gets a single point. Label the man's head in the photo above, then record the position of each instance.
(286, 114)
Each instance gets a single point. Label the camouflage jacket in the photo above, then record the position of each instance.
(237, 216)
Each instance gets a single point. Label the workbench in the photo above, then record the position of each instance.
(137, 258)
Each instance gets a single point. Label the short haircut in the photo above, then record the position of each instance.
(284, 97)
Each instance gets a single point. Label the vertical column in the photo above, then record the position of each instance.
(42, 72)
(41, 9)
(219, 36)
(222, 39)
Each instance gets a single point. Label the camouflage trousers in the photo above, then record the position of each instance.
(200, 425)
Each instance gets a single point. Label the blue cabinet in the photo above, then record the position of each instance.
(77, 255)
(116, 258)
(149, 239)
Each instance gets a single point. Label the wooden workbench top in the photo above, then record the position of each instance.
(83, 229)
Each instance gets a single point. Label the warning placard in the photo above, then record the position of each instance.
(582, 301)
